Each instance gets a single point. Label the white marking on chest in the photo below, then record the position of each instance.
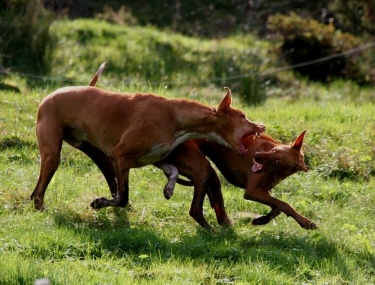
(184, 136)
(160, 151)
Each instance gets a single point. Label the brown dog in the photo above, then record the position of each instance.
(266, 164)
(119, 131)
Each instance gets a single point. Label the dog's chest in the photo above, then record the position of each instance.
(276, 180)
(159, 151)
(156, 153)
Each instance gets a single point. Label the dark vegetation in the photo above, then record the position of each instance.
(304, 31)
(306, 40)
(25, 41)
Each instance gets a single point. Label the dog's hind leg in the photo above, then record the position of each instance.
(216, 199)
(206, 181)
(49, 148)
(196, 208)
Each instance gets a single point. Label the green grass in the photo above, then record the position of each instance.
(154, 241)
(145, 56)
(147, 53)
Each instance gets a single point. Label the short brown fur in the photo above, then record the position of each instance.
(119, 131)
(266, 164)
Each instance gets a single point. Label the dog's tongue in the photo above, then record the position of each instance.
(257, 168)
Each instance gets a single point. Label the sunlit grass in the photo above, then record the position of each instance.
(155, 241)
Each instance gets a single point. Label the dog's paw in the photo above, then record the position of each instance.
(309, 226)
(98, 203)
(168, 193)
(225, 222)
(262, 220)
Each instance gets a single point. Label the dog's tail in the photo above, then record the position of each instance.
(97, 74)
(184, 182)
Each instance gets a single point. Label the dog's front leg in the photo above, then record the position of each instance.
(262, 196)
(122, 178)
(262, 220)
(120, 199)
(104, 163)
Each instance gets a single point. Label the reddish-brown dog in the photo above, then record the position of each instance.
(119, 131)
(266, 163)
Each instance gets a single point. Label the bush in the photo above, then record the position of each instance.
(25, 38)
(355, 16)
(122, 16)
(304, 40)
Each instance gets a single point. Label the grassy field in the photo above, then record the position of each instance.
(154, 241)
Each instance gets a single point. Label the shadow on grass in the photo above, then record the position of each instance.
(281, 251)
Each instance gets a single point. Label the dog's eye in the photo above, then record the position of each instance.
(242, 116)
(277, 161)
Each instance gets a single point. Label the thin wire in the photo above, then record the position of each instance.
(276, 70)
(322, 59)
(227, 78)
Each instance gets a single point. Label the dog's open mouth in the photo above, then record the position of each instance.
(257, 167)
(242, 150)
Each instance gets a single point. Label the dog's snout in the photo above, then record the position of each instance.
(261, 128)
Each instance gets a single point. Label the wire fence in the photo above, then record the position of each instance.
(217, 79)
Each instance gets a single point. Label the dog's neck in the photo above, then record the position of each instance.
(200, 122)
(190, 113)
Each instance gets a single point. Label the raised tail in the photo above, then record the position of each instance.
(97, 74)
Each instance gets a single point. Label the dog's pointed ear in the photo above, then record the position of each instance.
(226, 102)
(299, 141)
